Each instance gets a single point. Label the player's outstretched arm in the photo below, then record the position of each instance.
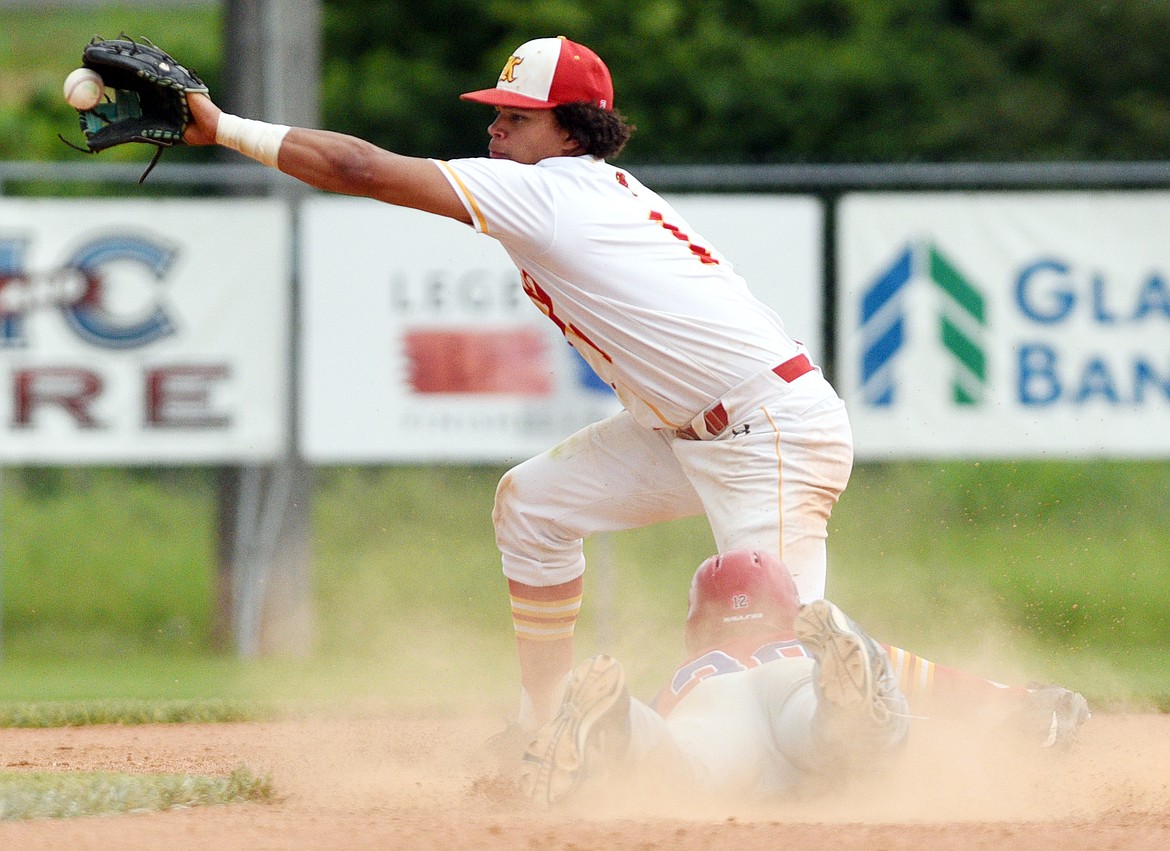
(330, 161)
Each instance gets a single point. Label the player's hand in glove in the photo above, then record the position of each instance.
(150, 101)
(204, 120)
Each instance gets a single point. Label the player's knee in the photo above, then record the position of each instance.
(512, 520)
(506, 499)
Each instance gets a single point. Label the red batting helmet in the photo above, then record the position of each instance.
(741, 592)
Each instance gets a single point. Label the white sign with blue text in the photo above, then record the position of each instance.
(1005, 325)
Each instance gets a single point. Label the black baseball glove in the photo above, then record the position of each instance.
(149, 102)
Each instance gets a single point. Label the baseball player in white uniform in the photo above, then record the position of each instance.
(775, 698)
(724, 413)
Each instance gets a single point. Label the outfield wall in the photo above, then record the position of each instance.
(964, 324)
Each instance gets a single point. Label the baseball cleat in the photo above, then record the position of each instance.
(591, 725)
(851, 667)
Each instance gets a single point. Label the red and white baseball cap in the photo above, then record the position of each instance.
(548, 72)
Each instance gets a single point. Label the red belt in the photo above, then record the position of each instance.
(715, 418)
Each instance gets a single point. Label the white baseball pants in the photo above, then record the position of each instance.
(768, 482)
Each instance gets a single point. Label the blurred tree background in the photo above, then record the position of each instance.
(772, 81)
(727, 81)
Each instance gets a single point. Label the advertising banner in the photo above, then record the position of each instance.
(418, 343)
(1006, 325)
(148, 332)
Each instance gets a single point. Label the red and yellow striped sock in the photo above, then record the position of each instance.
(544, 619)
(545, 614)
(932, 687)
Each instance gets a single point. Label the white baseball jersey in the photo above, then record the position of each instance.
(663, 318)
(656, 311)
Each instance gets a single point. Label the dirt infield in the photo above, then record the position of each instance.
(379, 782)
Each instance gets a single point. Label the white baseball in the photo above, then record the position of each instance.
(83, 88)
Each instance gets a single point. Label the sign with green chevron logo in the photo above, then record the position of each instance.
(1005, 324)
(960, 315)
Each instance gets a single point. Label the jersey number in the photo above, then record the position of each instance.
(544, 301)
(704, 254)
(708, 665)
(716, 662)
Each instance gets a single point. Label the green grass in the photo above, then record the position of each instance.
(1053, 571)
(93, 548)
(122, 711)
(1057, 570)
(29, 795)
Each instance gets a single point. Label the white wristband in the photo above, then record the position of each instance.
(256, 139)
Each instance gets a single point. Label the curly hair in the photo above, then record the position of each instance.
(600, 132)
